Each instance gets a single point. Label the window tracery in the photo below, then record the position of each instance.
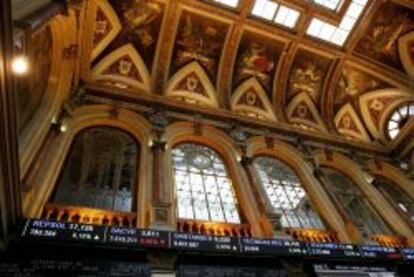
(100, 171)
(203, 187)
(399, 119)
(286, 194)
(355, 204)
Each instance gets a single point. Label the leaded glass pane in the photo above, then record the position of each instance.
(358, 208)
(203, 188)
(399, 119)
(400, 198)
(286, 194)
(100, 171)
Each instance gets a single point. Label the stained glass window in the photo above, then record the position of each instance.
(203, 187)
(286, 194)
(355, 204)
(100, 171)
(400, 197)
(399, 119)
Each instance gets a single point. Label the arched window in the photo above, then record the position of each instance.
(203, 187)
(397, 195)
(286, 194)
(399, 119)
(100, 171)
(355, 204)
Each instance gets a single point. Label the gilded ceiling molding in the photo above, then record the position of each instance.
(123, 67)
(87, 41)
(349, 124)
(165, 46)
(60, 80)
(377, 106)
(224, 80)
(302, 110)
(328, 94)
(192, 84)
(406, 52)
(251, 100)
(106, 27)
(282, 75)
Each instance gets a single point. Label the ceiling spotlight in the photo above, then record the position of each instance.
(20, 65)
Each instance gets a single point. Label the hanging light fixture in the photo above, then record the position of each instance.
(20, 65)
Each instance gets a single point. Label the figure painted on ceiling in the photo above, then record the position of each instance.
(256, 61)
(381, 39)
(199, 41)
(307, 77)
(140, 14)
(352, 84)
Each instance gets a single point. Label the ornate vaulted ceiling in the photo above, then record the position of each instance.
(208, 54)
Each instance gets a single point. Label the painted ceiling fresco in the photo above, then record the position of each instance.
(380, 43)
(257, 57)
(308, 75)
(225, 58)
(352, 84)
(200, 39)
(141, 24)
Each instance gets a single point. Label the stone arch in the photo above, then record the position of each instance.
(392, 173)
(182, 132)
(82, 118)
(32, 136)
(363, 181)
(286, 153)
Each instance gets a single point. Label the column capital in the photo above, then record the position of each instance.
(158, 146)
(246, 161)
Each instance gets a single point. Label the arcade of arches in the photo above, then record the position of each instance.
(291, 120)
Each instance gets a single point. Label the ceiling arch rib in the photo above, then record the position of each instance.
(123, 68)
(348, 124)
(191, 84)
(250, 99)
(377, 106)
(302, 111)
(107, 27)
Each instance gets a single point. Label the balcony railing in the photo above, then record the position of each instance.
(390, 241)
(89, 216)
(313, 235)
(214, 228)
